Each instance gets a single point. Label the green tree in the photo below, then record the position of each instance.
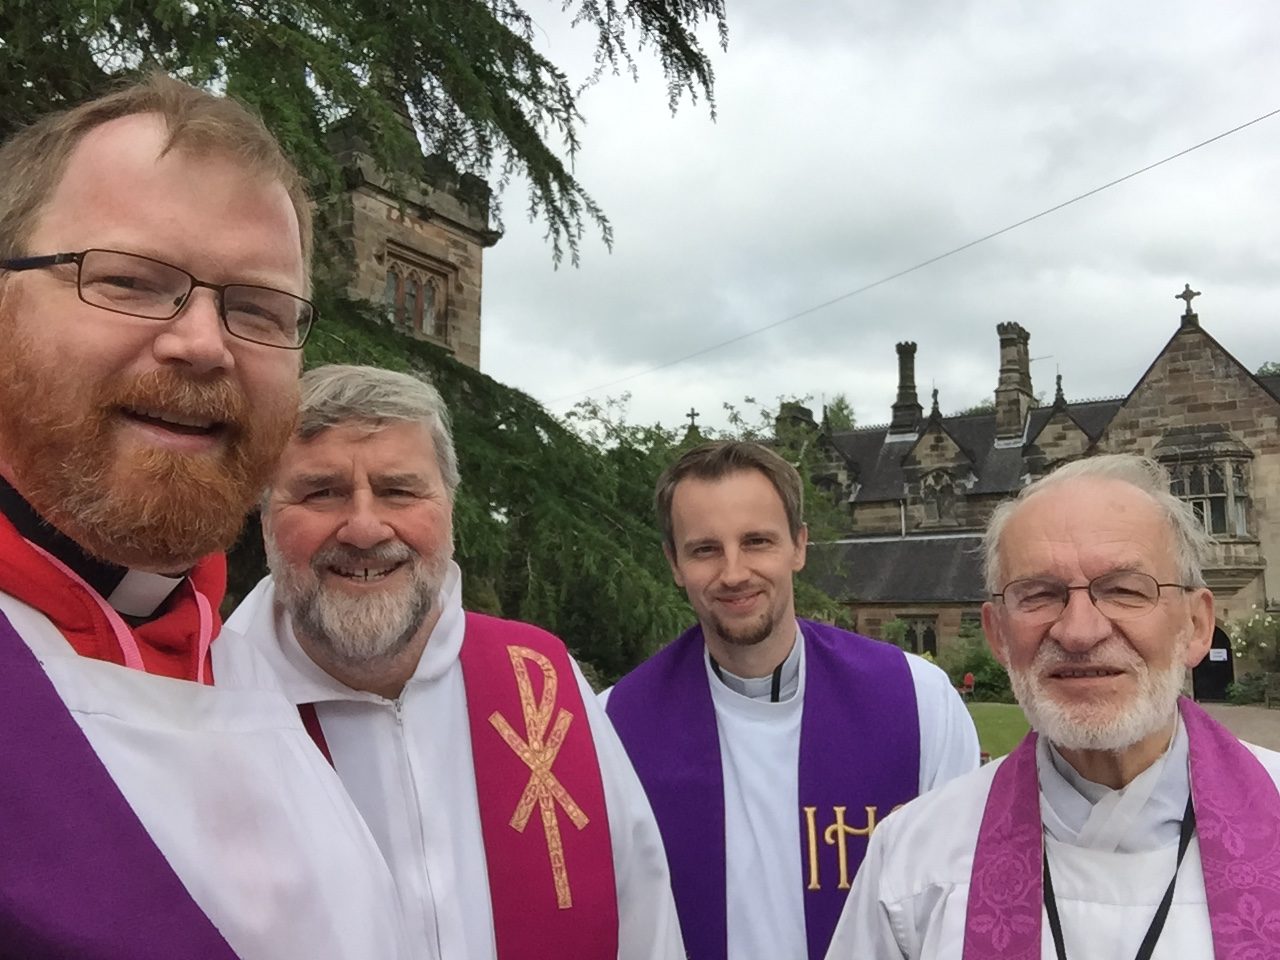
(1269, 369)
(982, 406)
(467, 72)
(840, 413)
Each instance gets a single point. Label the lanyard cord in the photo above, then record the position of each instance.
(1162, 912)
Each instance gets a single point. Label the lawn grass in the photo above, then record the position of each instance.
(1000, 726)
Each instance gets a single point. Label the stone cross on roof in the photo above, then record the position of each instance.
(692, 417)
(1188, 295)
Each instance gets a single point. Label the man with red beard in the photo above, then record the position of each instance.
(492, 780)
(1128, 823)
(157, 800)
(770, 747)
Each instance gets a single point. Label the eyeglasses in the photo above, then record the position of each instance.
(140, 286)
(1121, 595)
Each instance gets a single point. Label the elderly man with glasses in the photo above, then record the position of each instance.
(158, 798)
(1128, 823)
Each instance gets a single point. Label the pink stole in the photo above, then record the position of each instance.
(1237, 824)
(542, 806)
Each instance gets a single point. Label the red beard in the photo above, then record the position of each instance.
(159, 509)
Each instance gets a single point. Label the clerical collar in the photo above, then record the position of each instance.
(135, 594)
(1145, 814)
(778, 686)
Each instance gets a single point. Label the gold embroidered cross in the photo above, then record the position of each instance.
(539, 752)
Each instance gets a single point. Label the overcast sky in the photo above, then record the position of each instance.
(855, 139)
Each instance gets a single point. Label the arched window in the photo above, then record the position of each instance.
(404, 316)
(391, 291)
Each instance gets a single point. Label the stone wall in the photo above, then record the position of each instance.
(1195, 383)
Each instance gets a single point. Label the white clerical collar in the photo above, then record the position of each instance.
(1145, 814)
(761, 688)
(140, 594)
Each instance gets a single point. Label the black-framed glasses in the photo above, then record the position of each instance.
(1119, 595)
(139, 286)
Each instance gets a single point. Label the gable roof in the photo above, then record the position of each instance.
(877, 464)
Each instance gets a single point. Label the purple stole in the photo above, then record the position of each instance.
(859, 758)
(79, 874)
(1237, 824)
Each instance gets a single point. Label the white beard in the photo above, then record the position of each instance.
(1101, 725)
(358, 629)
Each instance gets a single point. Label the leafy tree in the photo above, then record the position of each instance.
(983, 406)
(1269, 369)
(466, 71)
(840, 413)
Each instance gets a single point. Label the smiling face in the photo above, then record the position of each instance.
(1084, 681)
(359, 534)
(735, 558)
(146, 441)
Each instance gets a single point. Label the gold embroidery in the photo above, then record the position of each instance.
(811, 823)
(835, 835)
(539, 752)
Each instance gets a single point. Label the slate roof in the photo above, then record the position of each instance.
(1272, 384)
(877, 464)
(921, 569)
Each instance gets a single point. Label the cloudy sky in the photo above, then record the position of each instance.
(856, 138)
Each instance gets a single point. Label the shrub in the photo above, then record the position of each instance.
(1250, 688)
(1257, 637)
(969, 653)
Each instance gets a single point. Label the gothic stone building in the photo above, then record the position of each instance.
(417, 242)
(920, 489)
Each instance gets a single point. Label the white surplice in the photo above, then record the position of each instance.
(759, 756)
(407, 764)
(226, 781)
(1111, 854)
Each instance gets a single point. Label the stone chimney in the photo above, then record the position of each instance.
(906, 409)
(1013, 389)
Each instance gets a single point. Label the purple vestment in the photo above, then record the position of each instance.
(1237, 824)
(859, 748)
(79, 874)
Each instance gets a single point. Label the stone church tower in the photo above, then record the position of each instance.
(418, 243)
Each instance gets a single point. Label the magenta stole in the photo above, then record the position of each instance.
(542, 806)
(859, 748)
(1237, 825)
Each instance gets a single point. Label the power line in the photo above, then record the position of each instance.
(912, 269)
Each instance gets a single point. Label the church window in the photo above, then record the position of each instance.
(416, 292)
(922, 634)
(391, 291)
(1217, 493)
(405, 316)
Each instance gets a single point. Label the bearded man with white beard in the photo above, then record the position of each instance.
(490, 777)
(1128, 823)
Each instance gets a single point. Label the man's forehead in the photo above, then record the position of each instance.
(730, 503)
(400, 447)
(1088, 519)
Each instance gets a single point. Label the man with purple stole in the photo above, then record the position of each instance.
(770, 747)
(473, 746)
(1128, 823)
(156, 799)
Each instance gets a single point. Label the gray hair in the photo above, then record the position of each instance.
(338, 394)
(1190, 542)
